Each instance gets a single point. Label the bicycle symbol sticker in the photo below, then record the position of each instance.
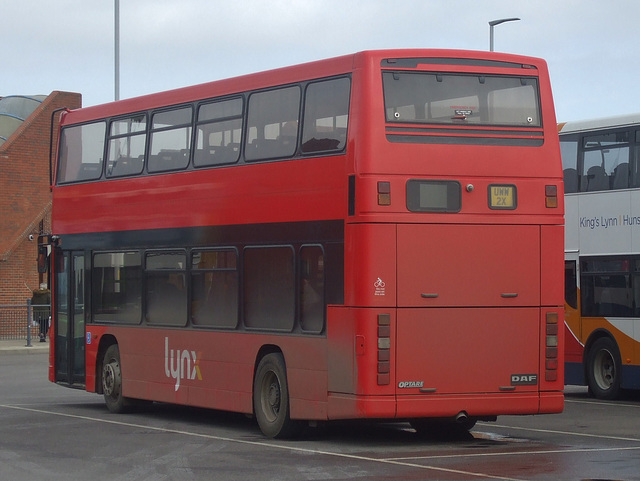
(379, 287)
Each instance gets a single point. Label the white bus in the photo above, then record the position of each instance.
(601, 163)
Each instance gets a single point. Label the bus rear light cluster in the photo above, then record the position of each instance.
(384, 193)
(551, 348)
(551, 196)
(384, 349)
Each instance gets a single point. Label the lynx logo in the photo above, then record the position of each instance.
(183, 364)
(524, 379)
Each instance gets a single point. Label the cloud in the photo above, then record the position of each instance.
(165, 44)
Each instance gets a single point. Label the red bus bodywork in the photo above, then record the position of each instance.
(443, 313)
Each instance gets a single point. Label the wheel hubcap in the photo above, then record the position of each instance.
(605, 372)
(271, 397)
(109, 379)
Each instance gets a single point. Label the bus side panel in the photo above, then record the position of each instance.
(631, 377)
(359, 386)
(622, 330)
(341, 345)
(306, 378)
(574, 373)
(93, 334)
(52, 343)
(215, 369)
(573, 349)
(552, 265)
(176, 367)
(188, 199)
(600, 223)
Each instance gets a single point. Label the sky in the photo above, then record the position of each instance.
(589, 45)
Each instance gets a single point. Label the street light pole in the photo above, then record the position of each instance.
(116, 35)
(492, 24)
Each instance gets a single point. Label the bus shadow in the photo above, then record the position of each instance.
(630, 395)
(373, 434)
(194, 416)
(364, 433)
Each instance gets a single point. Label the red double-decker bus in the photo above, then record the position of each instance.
(378, 235)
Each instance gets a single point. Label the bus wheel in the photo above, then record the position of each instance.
(271, 398)
(603, 369)
(112, 381)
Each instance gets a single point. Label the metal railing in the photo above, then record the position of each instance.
(24, 321)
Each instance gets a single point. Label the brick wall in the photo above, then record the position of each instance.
(25, 203)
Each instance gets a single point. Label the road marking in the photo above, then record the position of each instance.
(520, 453)
(566, 433)
(263, 444)
(399, 461)
(602, 403)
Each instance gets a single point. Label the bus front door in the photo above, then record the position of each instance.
(69, 320)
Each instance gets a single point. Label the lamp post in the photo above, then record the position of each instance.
(116, 48)
(492, 24)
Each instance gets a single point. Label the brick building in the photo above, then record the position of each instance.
(25, 197)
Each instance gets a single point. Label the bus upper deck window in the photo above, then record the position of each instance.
(81, 152)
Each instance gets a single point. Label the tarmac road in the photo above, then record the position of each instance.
(52, 433)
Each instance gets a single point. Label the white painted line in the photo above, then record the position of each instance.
(264, 444)
(566, 433)
(602, 403)
(520, 453)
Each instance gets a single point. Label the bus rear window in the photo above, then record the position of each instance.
(419, 97)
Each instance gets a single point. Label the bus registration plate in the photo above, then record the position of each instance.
(502, 196)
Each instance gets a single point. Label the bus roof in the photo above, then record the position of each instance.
(294, 73)
(598, 124)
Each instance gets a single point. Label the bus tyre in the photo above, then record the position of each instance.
(112, 381)
(604, 369)
(271, 398)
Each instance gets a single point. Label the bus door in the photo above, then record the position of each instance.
(70, 311)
